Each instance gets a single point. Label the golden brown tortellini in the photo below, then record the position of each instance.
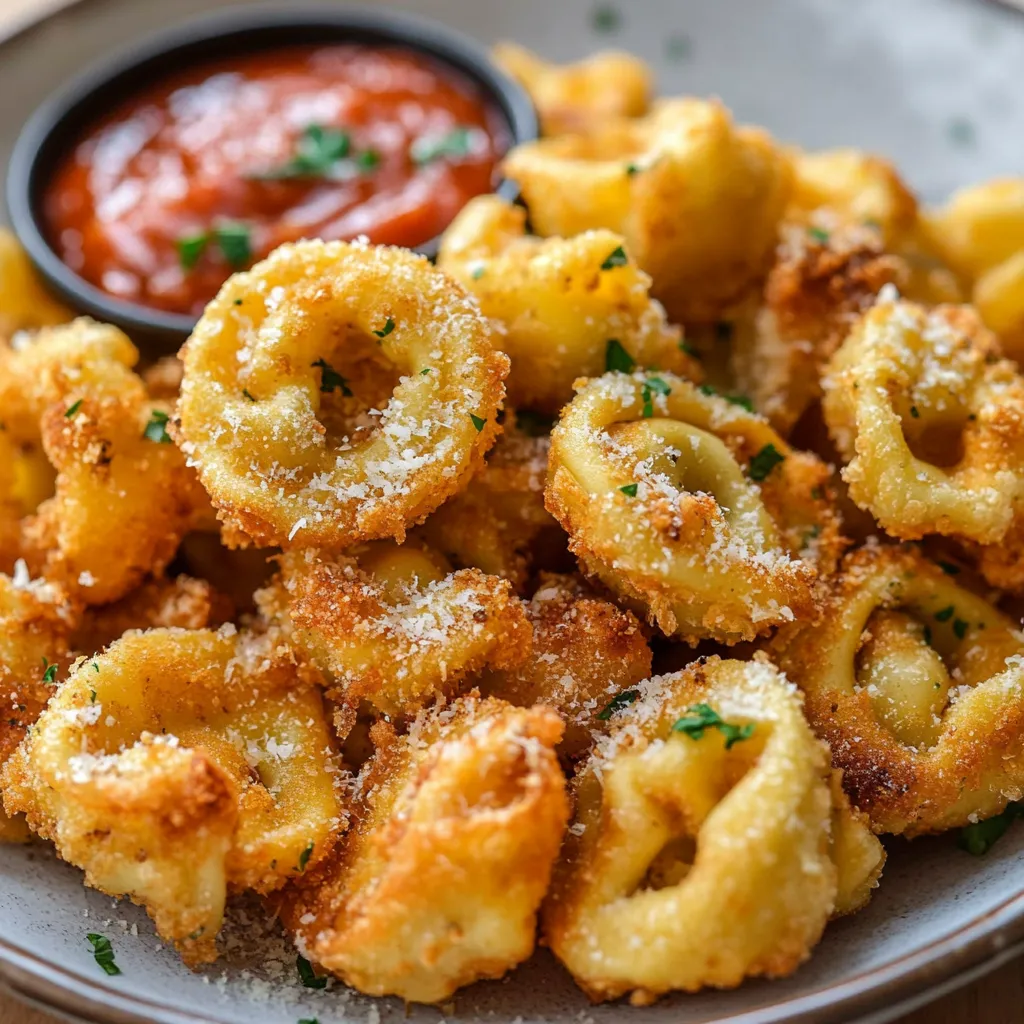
(697, 199)
(24, 302)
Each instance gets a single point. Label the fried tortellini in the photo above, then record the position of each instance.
(24, 302)
(582, 96)
(702, 850)
(690, 508)
(929, 419)
(454, 832)
(697, 199)
(180, 764)
(917, 684)
(559, 301)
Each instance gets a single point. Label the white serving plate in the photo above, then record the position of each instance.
(933, 84)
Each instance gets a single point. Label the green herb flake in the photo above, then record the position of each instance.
(949, 568)
(452, 145)
(616, 258)
(960, 628)
(307, 975)
(629, 490)
(617, 358)
(331, 380)
(632, 169)
(73, 409)
(914, 413)
(49, 672)
(685, 346)
(389, 326)
(156, 428)
(103, 953)
(764, 462)
(702, 716)
(235, 241)
(305, 855)
(318, 150)
(619, 701)
(478, 422)
(606, 19)
(980, 837)
(424, 371)
(95, 667)
(309, 1020)
(817, 493)
(478, 272)
(945, 615)
(819, 235)
(707, 389)
(191, 248)
(238, 302)
(92, 696)
(741, 400)
(368, 160)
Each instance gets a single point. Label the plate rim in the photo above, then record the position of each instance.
(985, 942)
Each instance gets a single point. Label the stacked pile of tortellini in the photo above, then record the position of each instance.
(438, 601)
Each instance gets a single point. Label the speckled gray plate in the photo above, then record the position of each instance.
(935, 84)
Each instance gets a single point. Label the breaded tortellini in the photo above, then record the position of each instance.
(559, 301)
(702, 850)
(124, 497)
(697, 199)
(24, 303)
(917, 684)
(437, 882)
(392, 624)
(820, 283)
(930, 420)
(338, 393)
(580, 96)
(587, 656)
(690, 508)
(178, 765)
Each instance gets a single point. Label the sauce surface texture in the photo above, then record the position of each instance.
(208, 171)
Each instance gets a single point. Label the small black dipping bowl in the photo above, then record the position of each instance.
(58, 124)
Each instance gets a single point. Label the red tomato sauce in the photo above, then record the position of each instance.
(208, 171)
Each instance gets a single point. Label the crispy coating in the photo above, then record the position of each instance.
(338, 393)
(917, 684)
(454, 831)
(856, 852)
(929, 420)
(392, 625)
(819, 285)
(582, 96)
(690, 508)
(557, 304)
(498, 523)
(177, 765)
(182, 602)
(586, 653)
(123, 497)
(697, 199)
(695, 860)
(24, 302)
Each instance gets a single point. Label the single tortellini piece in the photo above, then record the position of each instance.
(697, 199)
(690, 508)
(581, 96)
(25, 304)
(392, 624)
(820, 283)
(703, 850)
(998, 295)
(587, 656)
(498, 523)
(179, 765)
(930, 421)
(455, 828)
(917, 685)
(559, 301)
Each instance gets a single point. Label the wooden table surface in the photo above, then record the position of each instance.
(996, 999)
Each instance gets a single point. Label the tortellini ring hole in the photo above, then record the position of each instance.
(672, 864)
(933, 438)
(399, 570)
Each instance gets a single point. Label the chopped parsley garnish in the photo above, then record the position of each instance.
(103, 953)
(478, 422)
(960, 628)
(389, 326)
(629, 490)
(980, 837)
(616, 258)
(617, 358)
(606, 18)
(235, 241)
(305, 855)
(238, 302)
(245, 392)
(632, 169)
(424, 371)
(367, 160)
(324, 152)
(49, 673)
(619, 701)
(478, 272)
(651, 386)
(156, 428)
(191, 247)
(764, 462)
(307, 975)
(819, 235)
(914, 413)
(72, 409)
(331, 380)
(92, 696)
(685, 346)
(450, 146)
(95, 667)
(949, 568)
(534, 424)
(945, 615)
(309, 1020)
(702, 716)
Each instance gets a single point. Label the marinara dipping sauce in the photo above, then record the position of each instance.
(208, 171)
